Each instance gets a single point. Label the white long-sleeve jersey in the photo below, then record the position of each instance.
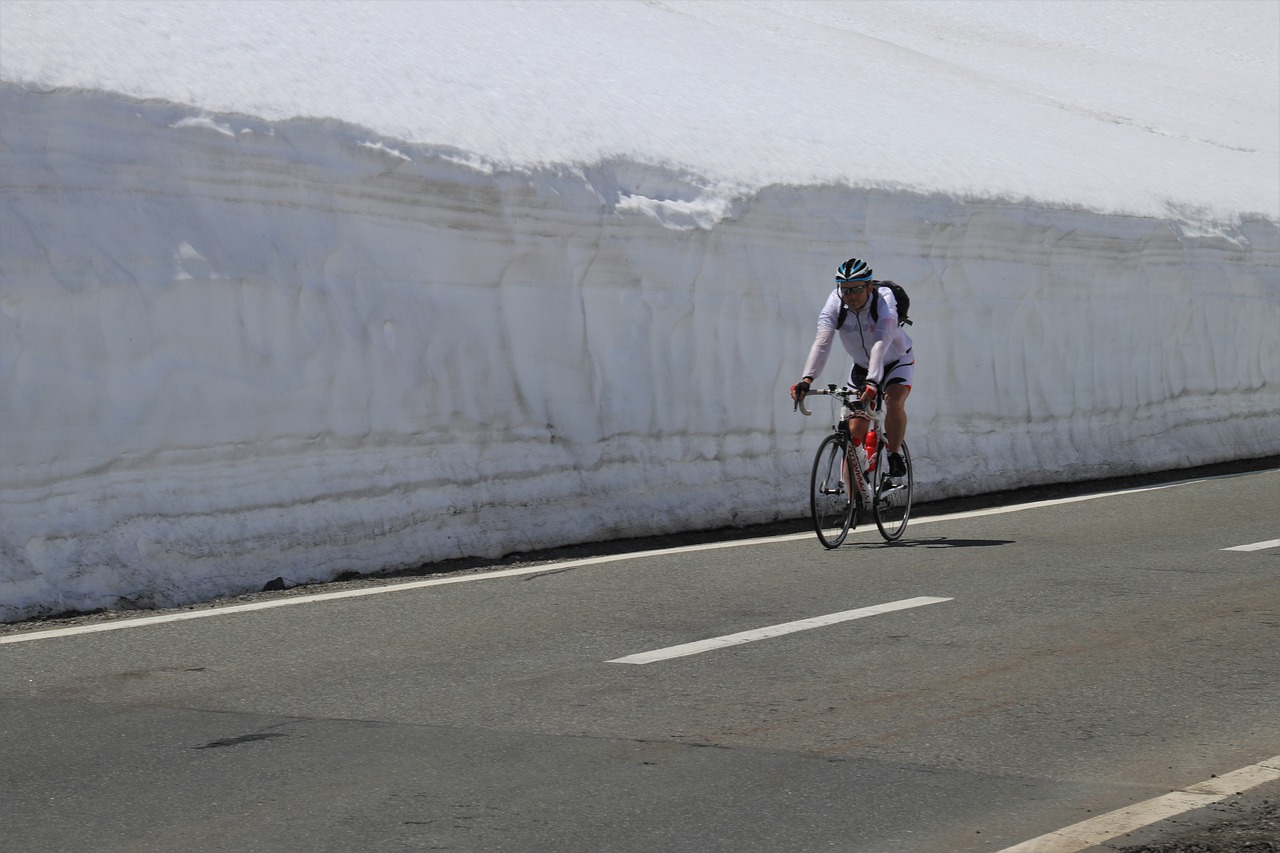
(872, 344)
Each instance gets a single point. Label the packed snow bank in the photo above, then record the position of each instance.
(1118, 106)
(236, 349)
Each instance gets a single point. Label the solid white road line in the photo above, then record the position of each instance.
(774, 631)
(1256, 546)
(121, 624)
(542, 568)
(1095, 831)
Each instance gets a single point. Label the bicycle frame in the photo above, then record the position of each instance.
(863, 479)
(849, 398)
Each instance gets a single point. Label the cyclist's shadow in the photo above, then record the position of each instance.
(944, 542)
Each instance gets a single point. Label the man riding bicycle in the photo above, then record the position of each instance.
(865, 315)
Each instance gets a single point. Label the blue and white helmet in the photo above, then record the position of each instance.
(854, 269)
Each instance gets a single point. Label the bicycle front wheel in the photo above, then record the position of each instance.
(833, 512)
(891, 503)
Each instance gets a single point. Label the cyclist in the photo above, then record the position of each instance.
(880, 348)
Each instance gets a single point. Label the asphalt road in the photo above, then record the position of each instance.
(1069, 659)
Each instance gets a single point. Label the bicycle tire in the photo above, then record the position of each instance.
(833, 512)
(891, 504)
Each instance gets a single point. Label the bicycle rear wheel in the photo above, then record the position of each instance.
(891, 502)
(833, 512)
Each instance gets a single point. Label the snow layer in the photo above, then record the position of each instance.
(236, 345)
(1116, 105)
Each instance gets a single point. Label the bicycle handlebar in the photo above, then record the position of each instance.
(843, 393)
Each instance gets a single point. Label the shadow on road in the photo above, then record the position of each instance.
(941, 542)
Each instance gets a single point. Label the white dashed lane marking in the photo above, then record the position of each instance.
(774, 631)
(1256, 546)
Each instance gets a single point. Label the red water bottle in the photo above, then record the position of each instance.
(870, 446)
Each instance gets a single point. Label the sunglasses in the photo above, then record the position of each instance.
(853, 291)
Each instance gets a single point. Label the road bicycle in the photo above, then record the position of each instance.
(850, 477)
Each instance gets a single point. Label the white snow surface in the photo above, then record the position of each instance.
(1116, 106)
(303, 288)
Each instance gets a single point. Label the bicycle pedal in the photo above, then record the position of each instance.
(890, 496)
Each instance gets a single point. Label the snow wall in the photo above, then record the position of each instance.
(232, 350)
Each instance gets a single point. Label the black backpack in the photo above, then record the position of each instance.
(900, 295)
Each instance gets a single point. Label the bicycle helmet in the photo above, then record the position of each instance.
(854, 269)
